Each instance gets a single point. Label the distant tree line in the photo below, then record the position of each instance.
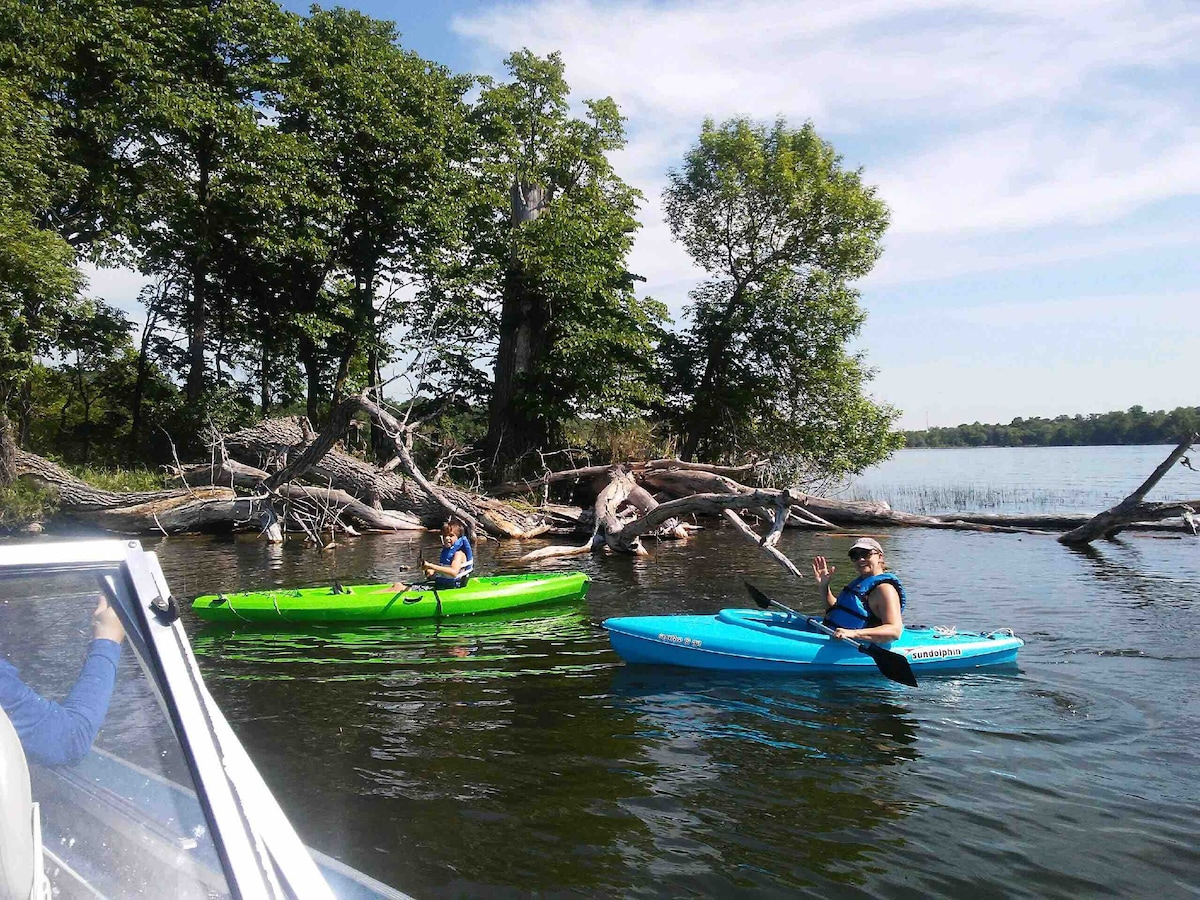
(312, 204)
(1133, 426)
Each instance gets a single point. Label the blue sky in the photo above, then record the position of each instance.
(1041, 159)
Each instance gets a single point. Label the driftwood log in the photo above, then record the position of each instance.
(140, 512)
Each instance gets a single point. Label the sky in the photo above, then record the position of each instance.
(1041, 160)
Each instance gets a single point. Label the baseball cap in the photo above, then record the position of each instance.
(866, 543)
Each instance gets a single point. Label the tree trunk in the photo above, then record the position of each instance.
(236, 474)
(700, 420)
(139, 390)
(312, 378)
(86, 400)
(513, 428)
(343, 371)
(140, 512)
(264, 370)
(24, 412)
(8, 453)
(278, 440)
(198, 320)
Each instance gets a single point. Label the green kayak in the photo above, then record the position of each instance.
(379, 603)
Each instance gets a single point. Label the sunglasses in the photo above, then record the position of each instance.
(856, 555)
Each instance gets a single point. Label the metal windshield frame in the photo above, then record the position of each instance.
(260, 850)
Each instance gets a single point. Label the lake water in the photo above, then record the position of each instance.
(1020, 479)
(518, 755)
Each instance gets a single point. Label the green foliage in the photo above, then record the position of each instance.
(119, 479)
(38, 277)
(1135, 426)
(83, 64)
(603, 440)
(762, 368)
(81, 408)
(387, 132)
(313, 202)
(23, 503)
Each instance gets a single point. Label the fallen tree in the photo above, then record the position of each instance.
(1133, 509)
(282, 475)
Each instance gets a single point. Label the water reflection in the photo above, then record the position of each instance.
(339, 652)
(732, 763)
(1141, 568)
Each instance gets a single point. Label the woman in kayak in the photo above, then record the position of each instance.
(870, 607)
(453, 567)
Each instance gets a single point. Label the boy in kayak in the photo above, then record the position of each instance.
(454, 565)
(870, 607)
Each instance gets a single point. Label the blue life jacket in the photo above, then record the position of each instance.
(852, 610)
(447, 557)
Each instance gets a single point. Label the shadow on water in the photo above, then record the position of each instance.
(516, 750)
(619, 772)
(731, 763)
(781, 707)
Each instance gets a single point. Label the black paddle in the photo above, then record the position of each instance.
(892, 665)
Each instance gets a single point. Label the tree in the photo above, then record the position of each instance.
(214, 74)
(782, 229)
(82, 65)
(38, 276)
(572, 337)
(387, 132)
(95, 334)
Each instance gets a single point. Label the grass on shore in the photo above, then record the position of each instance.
(120, 479)
(972, 498)
(23, 503)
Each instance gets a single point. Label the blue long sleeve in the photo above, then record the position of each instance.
(59, 734)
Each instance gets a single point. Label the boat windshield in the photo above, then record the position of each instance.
(124, 820)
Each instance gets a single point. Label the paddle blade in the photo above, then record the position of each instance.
(761, 600)
(892, 665)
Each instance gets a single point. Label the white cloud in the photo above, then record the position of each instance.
(971, 116)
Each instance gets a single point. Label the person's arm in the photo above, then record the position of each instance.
(456, 563)
(58, 734)
(823, 572)
(885, 603)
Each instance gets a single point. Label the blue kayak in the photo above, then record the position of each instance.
(747, 640)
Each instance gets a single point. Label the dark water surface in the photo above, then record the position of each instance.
(517, 755)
